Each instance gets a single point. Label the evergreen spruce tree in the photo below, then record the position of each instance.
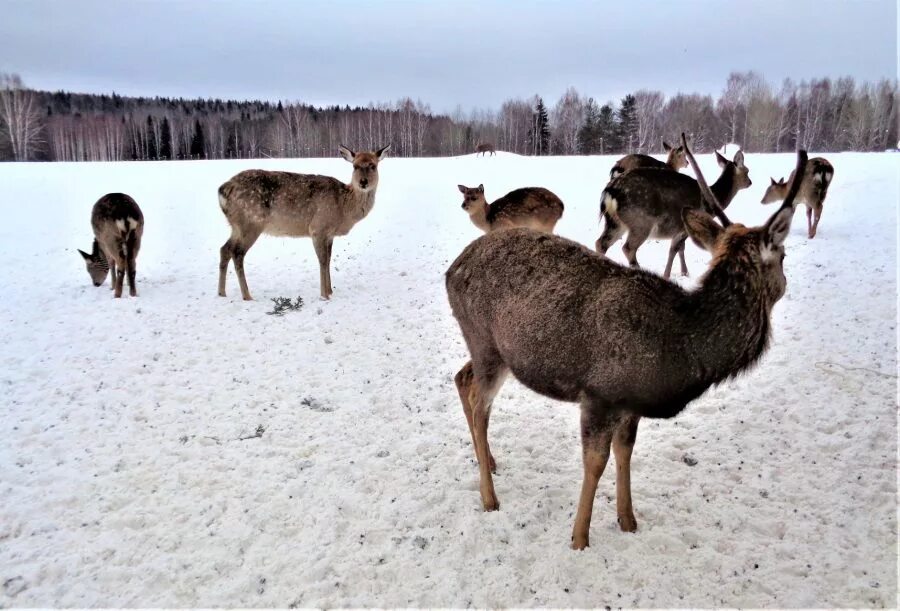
(198, 142)
(588, 138)
(606, 130)
(165, 145)
(627, 126)
(539, 134)
(152, 153)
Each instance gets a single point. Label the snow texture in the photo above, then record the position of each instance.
(181, 449)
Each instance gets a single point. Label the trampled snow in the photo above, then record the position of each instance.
(181, 449)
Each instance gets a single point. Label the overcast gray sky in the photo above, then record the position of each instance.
(476, 54)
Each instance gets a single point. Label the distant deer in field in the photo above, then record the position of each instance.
(118, 225)
(533, 207)
(675, 161)
(296, 205)
(624, 343)
(485, 147)
(647, 203)
(813, 189)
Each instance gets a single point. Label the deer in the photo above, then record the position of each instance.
(533, 207)
(118, 225)
(647, 203)
(622, 342)
(813, 189)
(675, 161)
(296, 205)
(485, 147)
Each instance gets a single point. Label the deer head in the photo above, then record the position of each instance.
(775, 191)
(473, 198)
(365, 167)
(676, 157)
(96, 264)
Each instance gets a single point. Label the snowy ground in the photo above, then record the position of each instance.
(125, 482)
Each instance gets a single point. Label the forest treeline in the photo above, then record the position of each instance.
(818, 115)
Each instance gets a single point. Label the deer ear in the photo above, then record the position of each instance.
(481, 188)
(701, 227)
(778, 226)
(739, 159)
(773, 181)
(666, 146)
(722, 161)
(84, 255)
(346, 153)
(380, 152)
(462, 188)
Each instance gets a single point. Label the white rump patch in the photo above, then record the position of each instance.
(828, 176)
(132, 223)
(222, 201)
(120, 224)
(610, 203)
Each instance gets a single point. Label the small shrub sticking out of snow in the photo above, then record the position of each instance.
(284, 304)
(689, 460)
(315, 405)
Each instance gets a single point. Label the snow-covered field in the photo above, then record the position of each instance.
(131, 473)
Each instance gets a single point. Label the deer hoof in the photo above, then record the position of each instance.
(491, 504)
(579, 543)
(627, 523)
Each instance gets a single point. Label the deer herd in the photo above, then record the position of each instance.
(622, 342)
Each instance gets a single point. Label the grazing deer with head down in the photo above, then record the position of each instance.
(533, 207)
(485, 147)
(675, 161)
(647, 203)
(624, 343)
(813, 189)
(296, 205)
(118, 225)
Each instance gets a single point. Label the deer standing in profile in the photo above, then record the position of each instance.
(118, 225)
(813, 189)
(485, 147)
(675, 161)
(624, 343)
(533, 207)
(296, 205)
(647, 203)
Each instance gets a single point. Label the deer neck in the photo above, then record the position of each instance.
(480, 218)
(359, 202)
(731, 319)
(725, 188)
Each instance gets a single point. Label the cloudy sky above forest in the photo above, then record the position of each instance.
(472, 53)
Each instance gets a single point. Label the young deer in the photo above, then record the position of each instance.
(675, 161)
(648, 203)
(533, 207)
(118, 225)
(295, 205)
(813, 189)
(485, 147)
(624, 343)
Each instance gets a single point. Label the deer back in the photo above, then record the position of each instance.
(113, 217)
(529, 206)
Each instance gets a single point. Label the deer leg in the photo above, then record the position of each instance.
(597, 427)
(329, 245)
(677, 246)
(815, 225)
(809, 224)
(463, 381)
(226, 253)
(120, 277)
(320, 243)
(112, 273)
(632, 243)
(484, 387)
(612, 231)
(622, 445)
(240, 249)
(131, 259)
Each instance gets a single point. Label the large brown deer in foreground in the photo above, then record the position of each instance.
(624, 343)
(813, 189)
(118, 225)
(534, 207)
(296, 205)
(675, 161)
(647, 203)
